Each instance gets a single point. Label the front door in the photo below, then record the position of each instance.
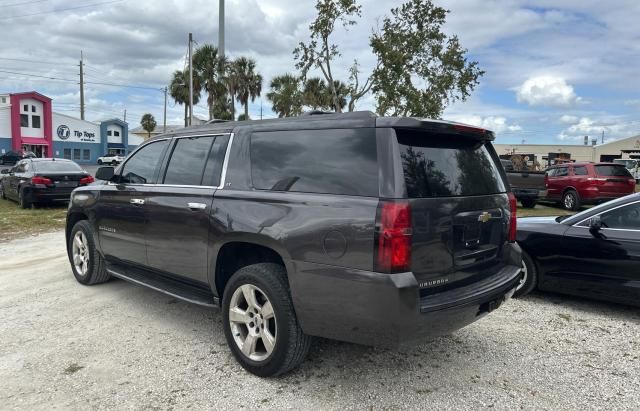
(121, 219)
(606, 264)
(178, 209)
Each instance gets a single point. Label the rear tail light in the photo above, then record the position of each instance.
(41, 180)
(596, 181)
(393, 237)
(513, 219)
(87, 180)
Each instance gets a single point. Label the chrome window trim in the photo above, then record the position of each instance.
(223, 173)
(606, 211)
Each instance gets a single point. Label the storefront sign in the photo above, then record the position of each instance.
(64, 132)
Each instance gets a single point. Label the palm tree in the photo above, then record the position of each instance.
(210, 69)
(249, 83)
(285, 95)
(315, 94)
(231, 81)
(148, 123)
(179, 91)
(342, 91)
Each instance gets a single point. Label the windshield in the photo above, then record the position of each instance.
(56, 167)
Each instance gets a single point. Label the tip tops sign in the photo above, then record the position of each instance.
(63, 132)
(74, 130)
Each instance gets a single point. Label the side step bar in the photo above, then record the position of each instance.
(182, 290)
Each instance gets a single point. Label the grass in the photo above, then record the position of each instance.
(543, 210)
(17, 222)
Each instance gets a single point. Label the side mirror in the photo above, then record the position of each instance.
(595, 225)
(105, 173)
(5, 171)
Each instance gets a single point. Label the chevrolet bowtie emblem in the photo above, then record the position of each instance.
(484, 217)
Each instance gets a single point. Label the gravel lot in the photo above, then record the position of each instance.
(63, 345)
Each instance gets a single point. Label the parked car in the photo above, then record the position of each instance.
(113, 159)
(633, 165)
(42, 180)
(349, 226)
(528, 186)
(10, 158)
(595, 253)
(588, 183)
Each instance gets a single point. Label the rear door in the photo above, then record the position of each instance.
(178, 208)
(120, 212)
(459, 207)
(614, 180)
(557, 182)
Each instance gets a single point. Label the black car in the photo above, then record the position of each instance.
(595, 253)
(10, 158)
(42, 180)
(349, 226)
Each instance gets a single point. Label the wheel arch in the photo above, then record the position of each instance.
(526, 249)
(240, 250)
(72, 220)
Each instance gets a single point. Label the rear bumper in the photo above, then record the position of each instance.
(50, 194)
(529, 193)
(386, 309)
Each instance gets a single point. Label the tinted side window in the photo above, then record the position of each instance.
(627, 217)
(580, 171)
(316, 161)
(561, 172)
(187, 161)
(143, 165)
(440, 166)
(616, 171)
(213, 169)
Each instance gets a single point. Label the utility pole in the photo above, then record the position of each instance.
(125, 115)
(221, 29)
(164, 121)
(81, 87)
(260, 109)
(602, 140)
(190, 79)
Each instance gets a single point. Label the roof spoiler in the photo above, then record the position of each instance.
(437, 126)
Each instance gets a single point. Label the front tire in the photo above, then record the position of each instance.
(86, 262)
(529, 278)
(571, 200)
(259, 321)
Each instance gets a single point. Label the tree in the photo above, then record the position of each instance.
(315, 94)
(243, 117)
(320, 52)
(179, 91)
(285, 95)
(249, 83)
(209, 67)
(341, 93)
(420, 70)
(231, 80)
(148, 123)
(356, 90)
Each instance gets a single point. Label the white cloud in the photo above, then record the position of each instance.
(546, 91)
(567, 119)
(497, 124)
(613, 128)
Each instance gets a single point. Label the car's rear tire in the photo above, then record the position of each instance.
(529, 203)
(529, 278)
(99, 162)
(2, 195)
(571, 200)
(24, 199)
(86, 262)
(259, 321)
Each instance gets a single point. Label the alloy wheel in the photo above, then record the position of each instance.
(80, 253)
(523, 279)
(569, 201)
(253, 322)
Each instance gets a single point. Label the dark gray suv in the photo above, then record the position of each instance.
(354, 227)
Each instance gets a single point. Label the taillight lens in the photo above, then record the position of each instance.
(596, 181)
(87, 180)
(41, 180)
(393, 237)
(513, 219)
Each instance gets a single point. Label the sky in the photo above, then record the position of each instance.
(556, 71)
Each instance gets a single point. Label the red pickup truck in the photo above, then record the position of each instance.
(587, 183)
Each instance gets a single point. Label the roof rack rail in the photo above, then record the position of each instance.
(217, 120)
(317, 112)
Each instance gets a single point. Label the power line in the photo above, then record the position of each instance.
(76, 81)
(61, 10)
(31, 61)
(24, 3)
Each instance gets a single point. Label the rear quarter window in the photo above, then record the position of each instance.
(580, 171)
(339, 161)
(613, 171)
(444, 166)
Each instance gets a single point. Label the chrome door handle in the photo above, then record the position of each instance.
(137, 201)
(196, 206)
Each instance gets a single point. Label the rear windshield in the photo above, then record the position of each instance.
(444, 166)
(56, 166)
(617, 171)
